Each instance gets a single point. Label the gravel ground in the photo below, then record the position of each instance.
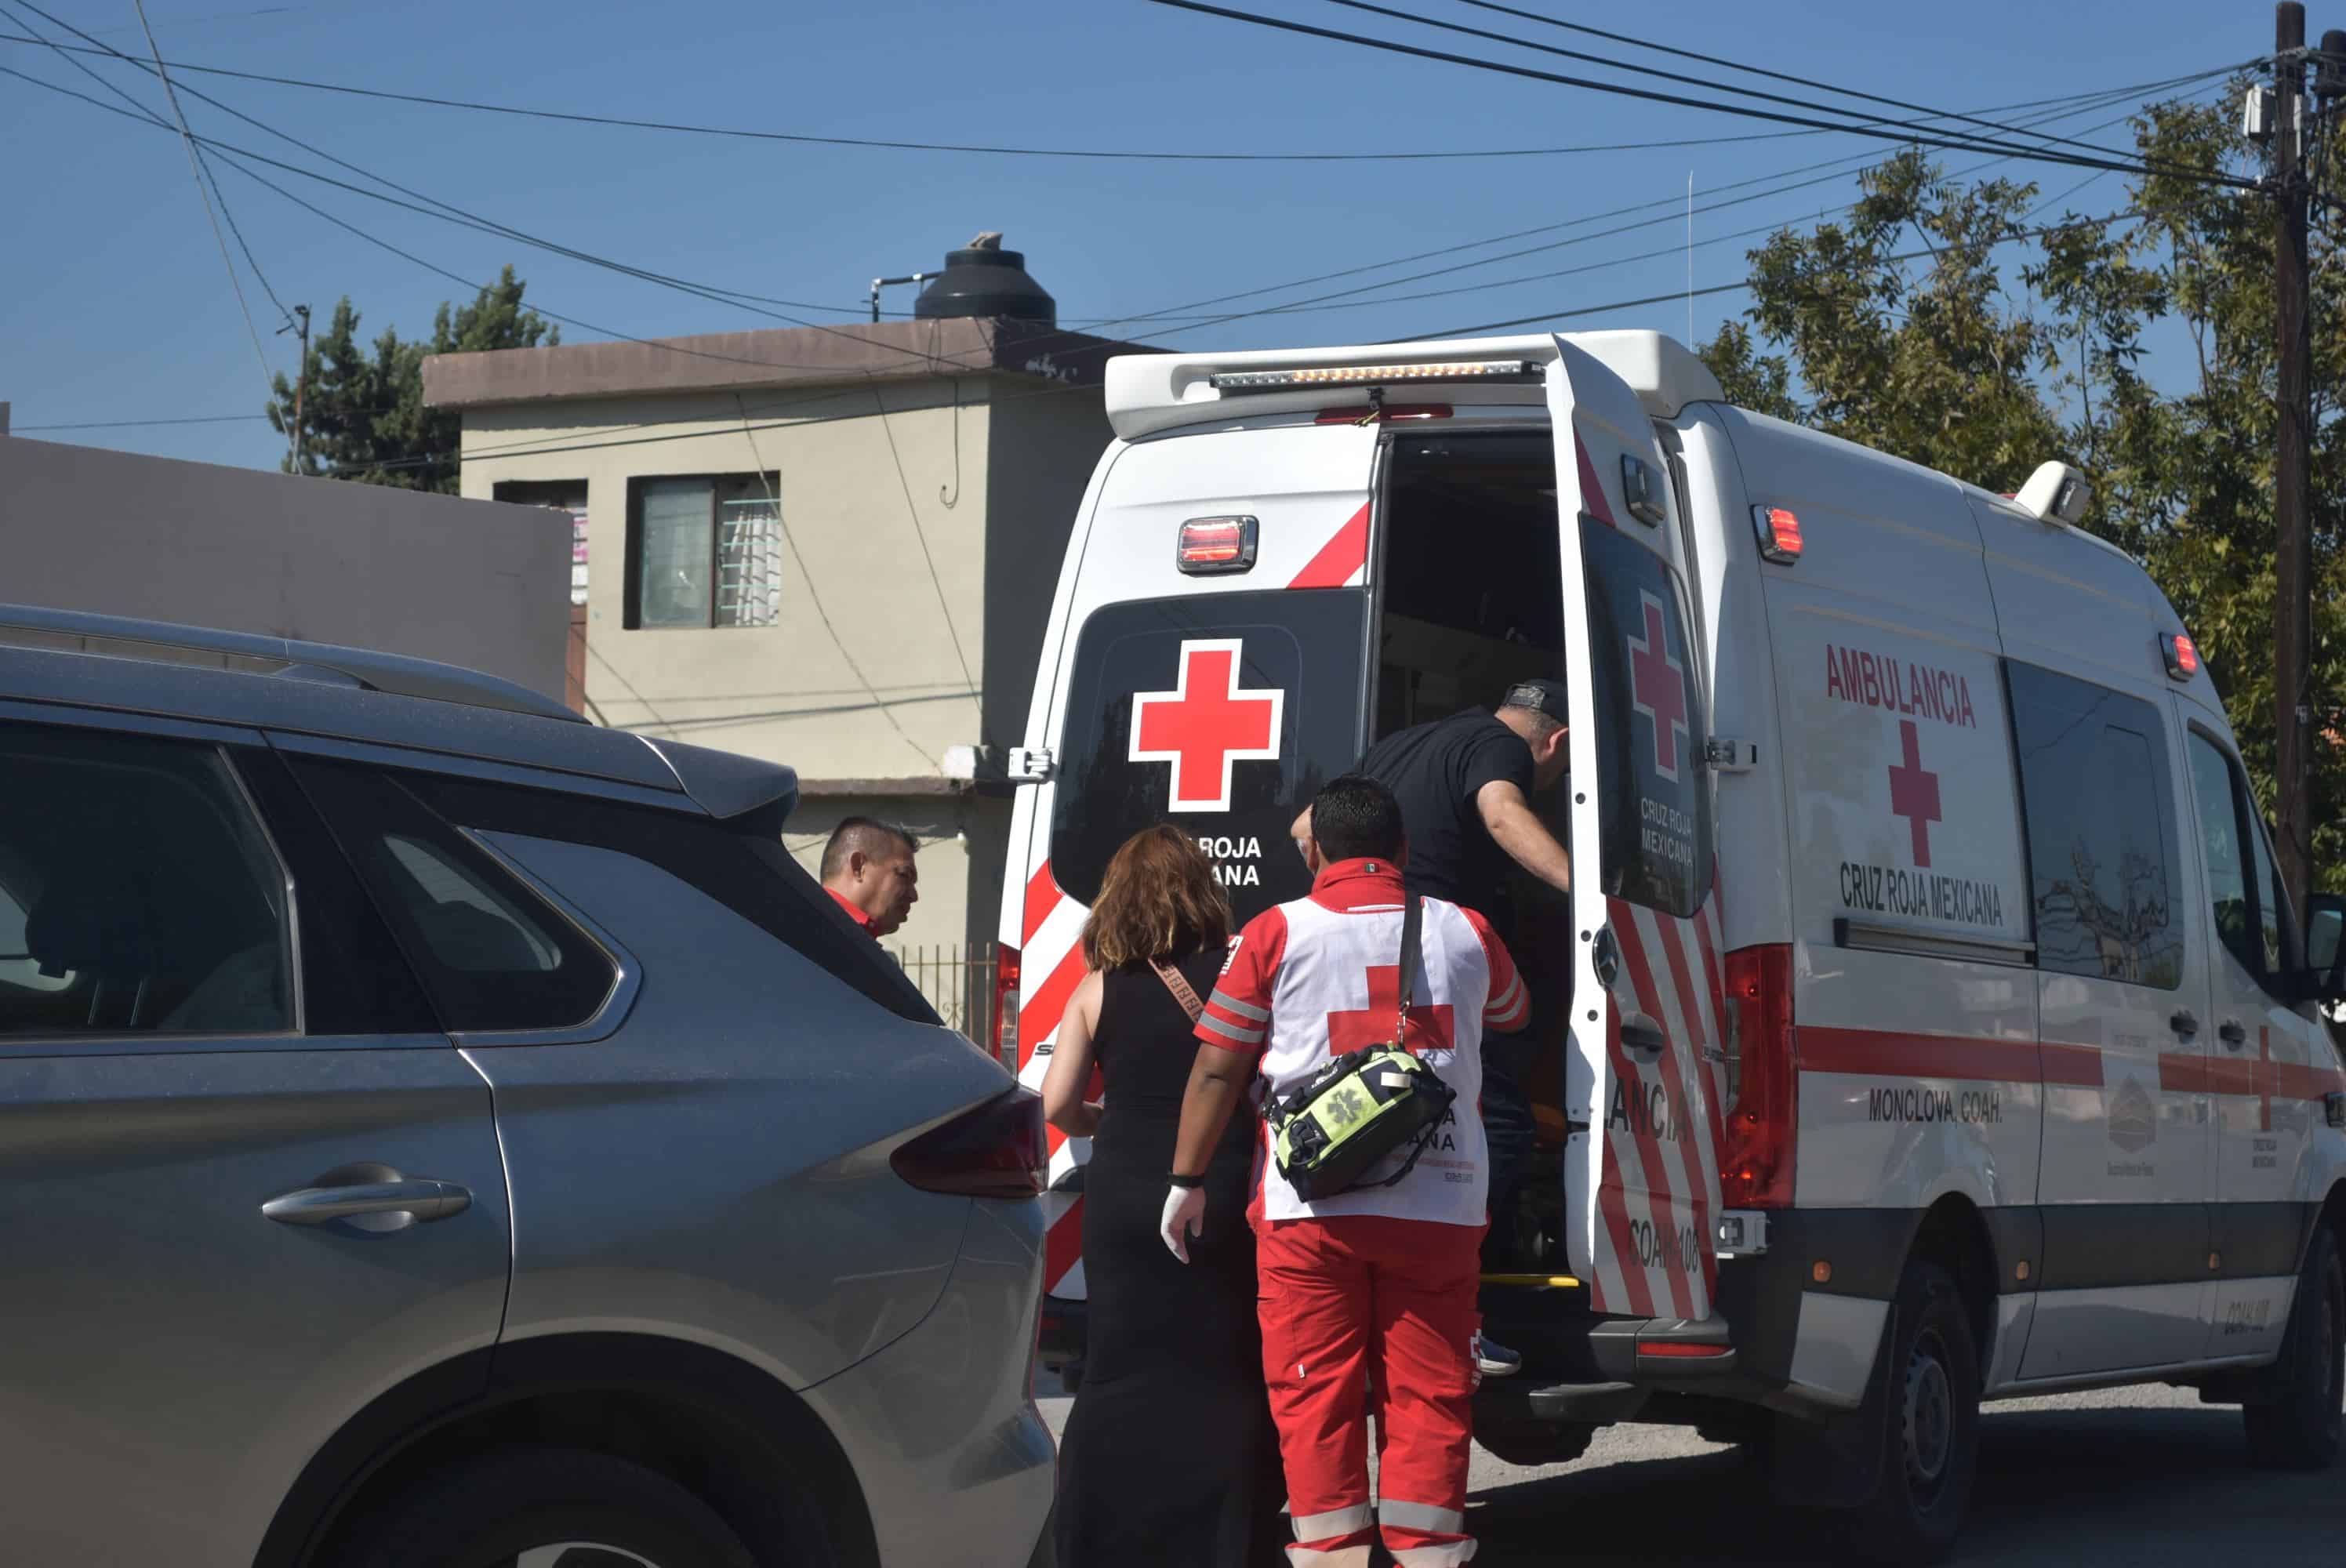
(2144, 1476)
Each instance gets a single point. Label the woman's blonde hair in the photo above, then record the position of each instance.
(1158, 901)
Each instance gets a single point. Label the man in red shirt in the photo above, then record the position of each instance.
(1381, 1280)
(868, 867)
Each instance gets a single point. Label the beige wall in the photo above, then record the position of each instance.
(790, 693)
(486, 587)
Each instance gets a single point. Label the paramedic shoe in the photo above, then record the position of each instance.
(1493, 1360)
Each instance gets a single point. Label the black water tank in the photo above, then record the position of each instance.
(984, 279)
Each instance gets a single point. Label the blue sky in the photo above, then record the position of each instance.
(116, 304)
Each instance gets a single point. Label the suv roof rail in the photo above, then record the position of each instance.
(120, 636)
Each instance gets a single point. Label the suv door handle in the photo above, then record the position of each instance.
(1642, 1034)
(427, 1199)
(2235, 1037)
(2183, 1022)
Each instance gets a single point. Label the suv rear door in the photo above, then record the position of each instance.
(1220, 703)
(246, 1183)
(1643, 1108)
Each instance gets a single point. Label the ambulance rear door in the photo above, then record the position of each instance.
(1214, 695)
(1642, 1101)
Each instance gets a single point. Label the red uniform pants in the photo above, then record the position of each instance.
(1353, 1297)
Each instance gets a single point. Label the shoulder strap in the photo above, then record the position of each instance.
(1183, 991)
(1411, 923)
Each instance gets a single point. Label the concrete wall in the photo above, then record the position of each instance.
(235, 548)
(790, 692)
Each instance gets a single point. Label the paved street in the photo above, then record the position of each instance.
(2142, 1476)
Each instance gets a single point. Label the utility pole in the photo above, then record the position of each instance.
(300, 385)
(2293, 562)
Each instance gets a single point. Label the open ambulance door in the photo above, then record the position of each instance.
(1643, 1113)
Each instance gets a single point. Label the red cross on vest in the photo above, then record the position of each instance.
(1915, 794)
(1657, 686)
(1429, 1023)
(1206, 724)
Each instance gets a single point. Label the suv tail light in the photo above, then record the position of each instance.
(1006, 1007)
(1763, 1121)
(994, 1151)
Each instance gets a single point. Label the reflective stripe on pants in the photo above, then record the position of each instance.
(1352, 1296)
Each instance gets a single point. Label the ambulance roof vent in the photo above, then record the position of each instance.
(982, 279)
(2056, 493)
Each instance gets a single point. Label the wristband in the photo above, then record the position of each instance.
(1178, 1179)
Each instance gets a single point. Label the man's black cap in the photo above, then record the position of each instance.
(1541, 696)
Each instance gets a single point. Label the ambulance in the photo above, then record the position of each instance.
(1927, 1024)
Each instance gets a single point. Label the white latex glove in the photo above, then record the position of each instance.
(1185, 1217)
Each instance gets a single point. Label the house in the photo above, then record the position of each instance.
(831, 547)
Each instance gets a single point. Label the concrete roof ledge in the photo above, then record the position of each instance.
(854, 353)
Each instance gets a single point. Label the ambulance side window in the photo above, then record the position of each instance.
(2102, 844)
(2251, 908)
(1653, 800)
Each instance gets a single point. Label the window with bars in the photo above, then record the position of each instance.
(704, 552)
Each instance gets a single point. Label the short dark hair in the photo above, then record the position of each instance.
(1355, 816)
(868, 834)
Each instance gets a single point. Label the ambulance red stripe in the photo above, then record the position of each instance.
(1043, 896)
(1883, 1053)
(1613, 1208)
(1340, 557)
(1063, 1244)
(1658, 1187)
(1674, 939)
(1592, 489)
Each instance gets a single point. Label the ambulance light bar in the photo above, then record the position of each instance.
(2182, 656)
(1371, 375)
(1779, 534)
(1209, 546)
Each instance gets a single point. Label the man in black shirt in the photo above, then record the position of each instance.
(1464, 784)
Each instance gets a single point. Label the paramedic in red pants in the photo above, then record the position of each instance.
(1381, 1281)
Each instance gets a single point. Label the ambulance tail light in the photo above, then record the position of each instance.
(1006, 1007)
(1779, 534)
(1763, 1117)
(1210, 545)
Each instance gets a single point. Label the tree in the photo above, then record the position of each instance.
(363, 413)
(1895, 328)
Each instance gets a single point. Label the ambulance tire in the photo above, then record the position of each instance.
(1932, 1386)
(2304, 1428)
(1533, 1443)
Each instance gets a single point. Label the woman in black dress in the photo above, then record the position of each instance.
(1170, 1456)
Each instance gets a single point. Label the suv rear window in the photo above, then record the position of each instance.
(1219, 712)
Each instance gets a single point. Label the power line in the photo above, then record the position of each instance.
(449, 213)
(1582, 27)
(2076, 106)
(881, 144)
(936, 582)
(1890, 133)
(195, 167)
(130, 423)
(1481, 327)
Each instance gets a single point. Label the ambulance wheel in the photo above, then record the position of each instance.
(2303, 1428)
(1931, 1428)
(1532, 1442)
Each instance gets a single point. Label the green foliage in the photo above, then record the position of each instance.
(1897, 327)
(363, 414)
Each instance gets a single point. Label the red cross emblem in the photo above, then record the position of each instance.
(1657, 686)
(1915, 794)
(1429, 1023)
(1206, 725)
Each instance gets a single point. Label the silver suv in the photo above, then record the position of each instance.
(435, 1131)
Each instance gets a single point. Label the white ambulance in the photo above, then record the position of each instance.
(1926, 1025)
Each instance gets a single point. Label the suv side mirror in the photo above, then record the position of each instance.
(2325, 961)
